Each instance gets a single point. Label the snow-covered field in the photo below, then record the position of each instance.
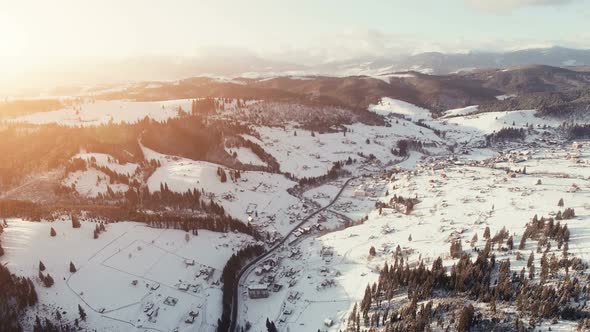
(103, 112)
(389, 105)
(108, 266)
(304, 155)
(486, 123)
(246, 156)
(461, 111)
(91, 182)
(108, 161)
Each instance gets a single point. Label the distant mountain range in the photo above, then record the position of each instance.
(238, 64)
(441, 63)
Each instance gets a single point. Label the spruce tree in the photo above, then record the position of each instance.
(48, 281)
(82, 313)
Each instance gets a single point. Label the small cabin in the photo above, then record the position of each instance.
(258, 291)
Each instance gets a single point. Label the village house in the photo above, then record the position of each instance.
(258, 291)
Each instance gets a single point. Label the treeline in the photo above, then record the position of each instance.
(403, 147)
(211, 215)
(16, 294)
(195, 137)
(47, 325)
(22, 209)
(203, 106)
(272, 164)
(400, 203)
(25, 149)
(219, 223)
(229, 278)
(20, 107)
(35, 148)
(335, 172)
(437, 132)
(556, 104)
(577, 131)
(505, 134)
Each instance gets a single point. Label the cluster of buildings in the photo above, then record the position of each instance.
(267, 270)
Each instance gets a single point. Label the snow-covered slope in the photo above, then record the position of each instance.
(258, 193)
(108, 161)
(104, 112)
(91, 182)
(246, 156)
(389, 105)
(306, 155)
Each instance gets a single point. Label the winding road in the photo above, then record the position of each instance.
(248, 268)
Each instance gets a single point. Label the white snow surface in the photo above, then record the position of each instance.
(107, 266)
(246, 156)
(108, 161)
(91, 182)
(389, 105)
(307, 156)
(103, 112)
(461, 111)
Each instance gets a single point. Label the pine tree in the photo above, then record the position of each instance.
(493, 303)
(531, 260)
(41, 266)
(82, 313)
(48, 281)
(52, 232)
(560, 203)
(75, 221)
(372, 251)
(465, 318)
(72, 268)
(510, 243)
(474, 240)
(456, 249)
(486, 233)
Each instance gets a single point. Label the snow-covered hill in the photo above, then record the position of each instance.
(92, 113)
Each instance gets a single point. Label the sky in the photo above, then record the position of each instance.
(57, 32)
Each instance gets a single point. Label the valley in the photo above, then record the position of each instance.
(239, 214)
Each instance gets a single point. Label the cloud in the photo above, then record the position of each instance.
(503, 6)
